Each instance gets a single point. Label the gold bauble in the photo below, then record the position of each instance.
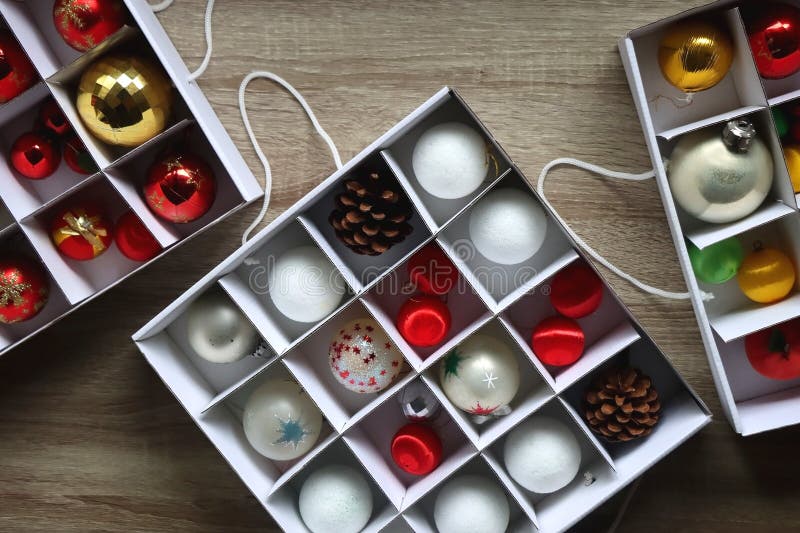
(695, 55)
(766, 276)
(792, 155)
(124, 100)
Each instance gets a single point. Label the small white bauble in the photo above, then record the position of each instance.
(304, 285)
(450, 160)
(471, 504)
(335, 499)
(507, 226)
(363, 358)
(218, 331)
(280, 420)
(542, 454)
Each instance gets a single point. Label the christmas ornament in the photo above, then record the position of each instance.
(17, 74)
(576, 291)
(471, 504)
(773, 30)
(450, 160)
(180, 187)
(480, 375)
(83, 24)
(507, 226)
(542, 454)
(24, 289)
(718, 262)
(794, 131)
(77, 157)
(335, 499)
(695, 55)
(791, 154)
(424, 321)
(52, 118)
(81, 232)
(304, 285)
(431, 271)
(720, 178)
(767, 275)
(781, 121)
(218, 331)
(133, 239)
(418, 403)
(558, 341)
(775, 352)
(416, 449)
(280, 420)
(372, 214)
(124, 100)
(35, 156)
(622, 405)
(362, 358)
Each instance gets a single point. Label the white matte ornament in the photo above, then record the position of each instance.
(542, 454)
(450, 160)
(471, 504)
(507, 226)
(304, 285)
(218, 331)
(335, 499)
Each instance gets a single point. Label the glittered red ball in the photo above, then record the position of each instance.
(417, 449)
(16, 70)
(133, 239)
(774, 34)
(35, 156)
(83, 24)
(24, 289)
(576, 291)
(432, 271)
(81, 232)
(77, 157)
(180, 187)
(424, 321)
(558, 341)
(52, 118)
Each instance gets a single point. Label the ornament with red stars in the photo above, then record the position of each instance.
(363, 358)
(83, 24)
(24, 289)
(180, 187)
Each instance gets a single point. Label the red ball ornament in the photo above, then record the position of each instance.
(35, 156)
(52, 118)
(133, 239)
(558, 341)
(774, 34)
(417, 449)
(180, 187)
(775, 352)
(81, 232)
(16, 70)
(83, 24)
(432, 271)
(24, 289)
(424, 321)
(576, 291)
(77, 157)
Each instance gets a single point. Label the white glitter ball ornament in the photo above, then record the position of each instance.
(218, 331)
(335, 499)
(363, 358)
(471, 504)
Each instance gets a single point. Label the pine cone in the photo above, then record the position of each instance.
(622, 405)
(371, 214)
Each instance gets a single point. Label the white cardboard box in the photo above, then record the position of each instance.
(359, 427)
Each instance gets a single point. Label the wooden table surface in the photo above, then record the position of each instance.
(91, 440)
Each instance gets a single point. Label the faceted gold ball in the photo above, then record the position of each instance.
(124, 100)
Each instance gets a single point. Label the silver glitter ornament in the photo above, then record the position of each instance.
(218, 331)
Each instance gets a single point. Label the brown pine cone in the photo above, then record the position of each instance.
(622, 405)
(371, 214)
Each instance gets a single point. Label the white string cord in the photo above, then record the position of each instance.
(209, 44)
(161, 6)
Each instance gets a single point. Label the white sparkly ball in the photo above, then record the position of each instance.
(335, 499)
(471, 504)
(218, 331)
(542, 454)
(507, 226)
(450, 160)
(304, 285)
(363, 358)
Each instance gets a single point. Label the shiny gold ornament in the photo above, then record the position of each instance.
(695, 55)
(766, 276)
(792, 155)
(124, 100)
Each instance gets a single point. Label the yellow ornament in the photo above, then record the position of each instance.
(695, 55)
(766, 276)
(124, 100)
(792, 155)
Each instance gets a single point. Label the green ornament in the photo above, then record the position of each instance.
(717, 263)
(781, 121)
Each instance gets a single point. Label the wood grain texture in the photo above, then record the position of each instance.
(91, 440)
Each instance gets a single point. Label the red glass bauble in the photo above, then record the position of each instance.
(24, 289)
(83, 24)
(81, 232)
(180, 187)
(77, 157)
(16, 70)
(52, 118)
(35, 156)
(576, 291)
(774, 34)
(424, 321)
(417, 449)
(432, 271)
(133, 239)
(558, 341)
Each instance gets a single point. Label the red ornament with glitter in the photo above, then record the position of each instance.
(424, 321)
(35, 156)
(431, 271)
(773, 30)
(52, 119)
(24, 289)
(133, 239)
(16, 70)
(180, 187)
(558, 341)
(363, 358)
(576, 291)
(83, 24)
(81, 232)
(417, 449)
(77, 157)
